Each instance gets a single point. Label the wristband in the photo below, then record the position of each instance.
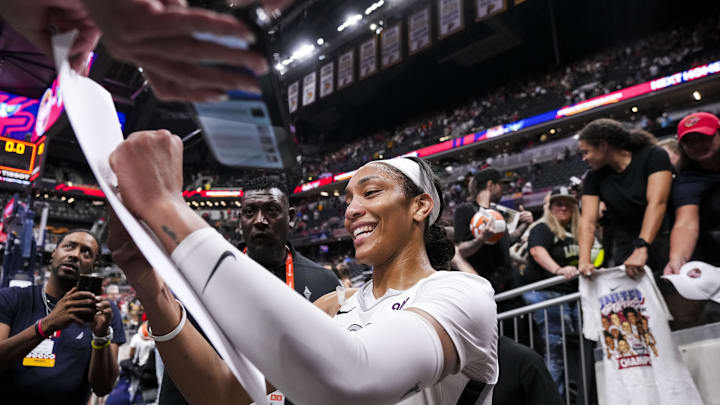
(174, 332)
(105, 338)
(640, 243)
(99, 347)
(39, 329)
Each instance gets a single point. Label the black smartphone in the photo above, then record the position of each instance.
(92, 283)
(249, 130)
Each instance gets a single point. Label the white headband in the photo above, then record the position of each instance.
(411, 169)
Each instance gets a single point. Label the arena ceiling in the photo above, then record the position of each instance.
(465, 65)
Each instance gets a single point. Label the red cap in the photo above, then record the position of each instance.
(702, 122)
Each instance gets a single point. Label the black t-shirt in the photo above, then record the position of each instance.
(524, 379)
(625, 193)
(490, 261)
(564, 252)
(311, 281)
(701, 187)
(66, 382)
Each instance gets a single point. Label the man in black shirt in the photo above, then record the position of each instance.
(489, 261)
(265, 219)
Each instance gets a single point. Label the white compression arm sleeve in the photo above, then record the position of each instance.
(298, 347)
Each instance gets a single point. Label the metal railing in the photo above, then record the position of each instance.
(518, 313)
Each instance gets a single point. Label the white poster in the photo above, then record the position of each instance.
(293, 97)
(419, 31)
(346, 69)
(390, 42)
(368, 57)
(487, 8)
(327, 73)
(309, 89)
(450, 16)
(91, 111)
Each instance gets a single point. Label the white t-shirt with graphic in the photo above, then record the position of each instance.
(463, 305)
(630, 318)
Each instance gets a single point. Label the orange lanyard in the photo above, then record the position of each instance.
(289, 269)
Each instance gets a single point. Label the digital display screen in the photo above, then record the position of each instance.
(16, 155)
(240, 132)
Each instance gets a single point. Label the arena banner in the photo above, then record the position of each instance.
(293, 97)
(391, 45)
(450, 17)
(309, 88)
(346, 69)
(419, 31)
(488, 8)
(327, 74)
(368, 57)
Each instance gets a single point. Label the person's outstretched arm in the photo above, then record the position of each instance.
(282, 334)
(658, 192)
(683, 237)
(586, 232)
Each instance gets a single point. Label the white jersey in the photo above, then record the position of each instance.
(465, 315)
(642, 363)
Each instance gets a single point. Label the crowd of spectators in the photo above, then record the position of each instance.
(652, 56)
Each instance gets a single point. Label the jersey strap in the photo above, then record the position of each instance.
(471, 393)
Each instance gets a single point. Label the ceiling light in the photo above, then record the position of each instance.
(374, 7)
(373, 26)
(303, 51)
(697, 96)
(634, 109)
(324, 193)
(352, 20)
(320, 41)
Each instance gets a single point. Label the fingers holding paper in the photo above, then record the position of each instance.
(171, 41)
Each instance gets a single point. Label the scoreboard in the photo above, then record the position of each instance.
(21, 161)
(16, 155)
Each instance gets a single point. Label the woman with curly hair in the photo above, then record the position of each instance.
(633, 177)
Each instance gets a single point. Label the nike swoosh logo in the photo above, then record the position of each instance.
(223, 256)
(412, 391)
(614, 288)
(345, 312)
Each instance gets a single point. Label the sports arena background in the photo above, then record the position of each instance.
(507, 87)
